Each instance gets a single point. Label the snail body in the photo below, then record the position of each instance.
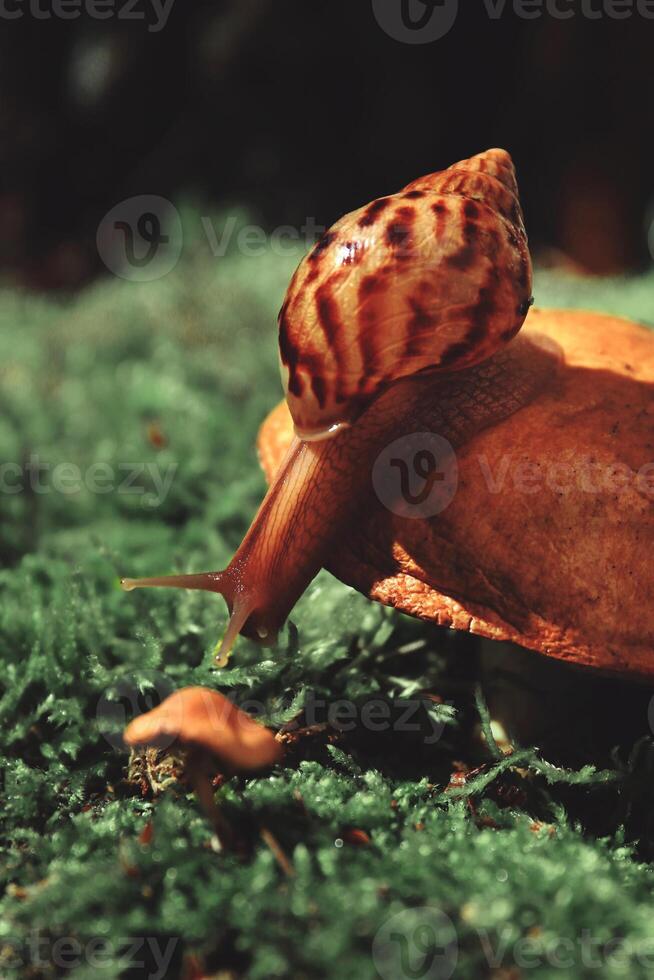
(410, 290)
(547, 541)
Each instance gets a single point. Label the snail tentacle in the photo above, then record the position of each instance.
(207, 581)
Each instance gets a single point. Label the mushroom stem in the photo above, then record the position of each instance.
(203, 789)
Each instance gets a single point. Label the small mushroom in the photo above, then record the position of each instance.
(212, 729)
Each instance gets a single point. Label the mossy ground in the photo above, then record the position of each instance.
(170, 380)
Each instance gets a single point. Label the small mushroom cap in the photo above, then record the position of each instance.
(203, 719)
(548, 540)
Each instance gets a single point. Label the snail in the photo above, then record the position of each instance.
(397, 303)
(548, 540)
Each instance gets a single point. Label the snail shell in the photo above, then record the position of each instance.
(435, 277)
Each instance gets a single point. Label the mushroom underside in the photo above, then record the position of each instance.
(548, 537)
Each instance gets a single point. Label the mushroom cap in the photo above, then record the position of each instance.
(548, 540)
(203, 719)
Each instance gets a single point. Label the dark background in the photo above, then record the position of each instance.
(300, 109)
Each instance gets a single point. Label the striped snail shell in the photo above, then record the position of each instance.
(435, 277)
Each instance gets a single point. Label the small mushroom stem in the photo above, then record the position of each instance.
(201, 783)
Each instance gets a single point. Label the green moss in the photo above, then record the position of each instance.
(170, 380)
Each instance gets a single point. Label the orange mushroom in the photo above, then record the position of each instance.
(211, 728)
